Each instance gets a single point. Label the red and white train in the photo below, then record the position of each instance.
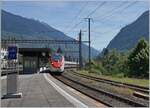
(56, 63)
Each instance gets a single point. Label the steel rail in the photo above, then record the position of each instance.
(99, 92)
(115, 83)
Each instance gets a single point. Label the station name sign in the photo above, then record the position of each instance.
(12, 52)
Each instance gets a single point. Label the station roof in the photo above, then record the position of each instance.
(34, 51)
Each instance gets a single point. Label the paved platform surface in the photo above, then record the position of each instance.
(81, 100)
(37, 92)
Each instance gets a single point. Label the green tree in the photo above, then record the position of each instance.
(115, 63)
(105, 51)
(121, 66)
(110, 60)
(138, 60)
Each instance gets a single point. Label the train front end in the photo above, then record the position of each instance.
(56, 63)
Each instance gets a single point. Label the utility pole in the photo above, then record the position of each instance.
(80, 50)
(89, 32)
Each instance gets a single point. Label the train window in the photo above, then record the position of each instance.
(56, 57)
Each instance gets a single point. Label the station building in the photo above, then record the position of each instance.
(33, 58)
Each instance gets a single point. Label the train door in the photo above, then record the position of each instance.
(30, 65)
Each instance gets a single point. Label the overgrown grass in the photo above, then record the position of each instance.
(105, 86)
(140, 82)
(99, 71)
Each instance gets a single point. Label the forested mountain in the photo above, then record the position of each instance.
(129, 35)
(20, 27)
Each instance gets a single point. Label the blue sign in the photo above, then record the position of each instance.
(12, 52)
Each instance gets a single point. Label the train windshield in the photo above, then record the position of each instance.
(56, 57)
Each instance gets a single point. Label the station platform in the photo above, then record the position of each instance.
(36, 92)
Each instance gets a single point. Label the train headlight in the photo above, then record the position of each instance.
(43, 53)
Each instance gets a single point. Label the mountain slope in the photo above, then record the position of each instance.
(24, 28)
(128, 36)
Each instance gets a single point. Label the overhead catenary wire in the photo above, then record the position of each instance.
(112, 10)
(108, 16)
(77, 15)
(97, 9)
(129, 5)
(121, 8)
(75, 26)
(100, 5)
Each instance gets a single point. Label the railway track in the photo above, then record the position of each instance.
(115, 83)
(70, 66)
(100, 95)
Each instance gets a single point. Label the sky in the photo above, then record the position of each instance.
(108, 16)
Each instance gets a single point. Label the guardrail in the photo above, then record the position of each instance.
(10, 70)
(68, 62)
